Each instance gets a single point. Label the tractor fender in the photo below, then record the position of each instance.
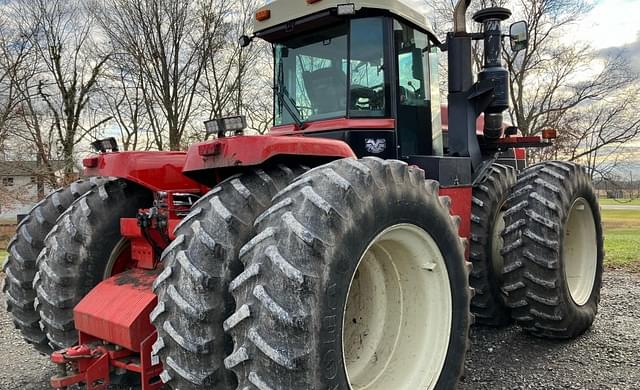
(157, 171)
(245, 151)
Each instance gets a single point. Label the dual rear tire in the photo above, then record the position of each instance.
(553, 251)
(24, 248)
(77, 254)
(537, 249)
(487, 224)
(356, 278)
(193, 296)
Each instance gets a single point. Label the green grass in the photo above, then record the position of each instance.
(619, 202)
(3, 258)
(622, 239)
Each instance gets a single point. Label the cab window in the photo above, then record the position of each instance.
(367, 68)
(414, 101)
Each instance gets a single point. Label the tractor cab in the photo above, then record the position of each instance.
(361, 73)
(360, 79)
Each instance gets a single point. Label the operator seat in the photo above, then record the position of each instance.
(327, 90)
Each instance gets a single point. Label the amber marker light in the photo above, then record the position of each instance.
(263, 15)
(549, 134)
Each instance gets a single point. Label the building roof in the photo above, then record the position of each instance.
(26, 168)
(283, 11)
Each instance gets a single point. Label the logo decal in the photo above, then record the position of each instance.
(375, 146)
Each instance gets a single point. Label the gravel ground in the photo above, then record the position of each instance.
(608, 357)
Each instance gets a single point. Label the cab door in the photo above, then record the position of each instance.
(413, 99)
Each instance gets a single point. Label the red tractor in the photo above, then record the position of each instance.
(349, 248)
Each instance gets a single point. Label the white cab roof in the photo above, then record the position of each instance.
(283, 11)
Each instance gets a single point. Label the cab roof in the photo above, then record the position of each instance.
(283, 11)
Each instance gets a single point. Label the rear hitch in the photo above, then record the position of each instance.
(97, 365)
(81, 364)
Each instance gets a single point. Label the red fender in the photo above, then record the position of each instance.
(242, 151)
(158, 171)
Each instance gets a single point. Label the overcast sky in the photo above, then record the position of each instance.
(610, 23)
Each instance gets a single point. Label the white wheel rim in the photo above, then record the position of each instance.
(398, 315)
(580, 252)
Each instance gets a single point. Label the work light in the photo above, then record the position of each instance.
(104, 145)
(220, 126)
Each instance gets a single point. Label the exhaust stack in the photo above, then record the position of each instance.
(459, 16)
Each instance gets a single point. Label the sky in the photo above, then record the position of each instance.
(611, 23)
(612, 27)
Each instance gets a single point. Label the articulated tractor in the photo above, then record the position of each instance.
(351, 247)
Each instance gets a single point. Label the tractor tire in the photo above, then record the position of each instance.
(487, 223)
(20, 267)
(193, 296)
(77, 252)
(356, 253)
(553, 251)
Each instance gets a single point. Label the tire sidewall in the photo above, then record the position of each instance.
(345, 258)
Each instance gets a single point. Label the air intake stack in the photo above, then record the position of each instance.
(492, 70)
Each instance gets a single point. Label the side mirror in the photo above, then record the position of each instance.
(519, 36)
(245, 41)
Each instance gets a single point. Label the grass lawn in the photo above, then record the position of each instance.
(622, 239)
(620, 202)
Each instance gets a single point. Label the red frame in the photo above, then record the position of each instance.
(461, 207)
(142, 253)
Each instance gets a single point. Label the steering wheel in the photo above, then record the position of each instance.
(374, 96)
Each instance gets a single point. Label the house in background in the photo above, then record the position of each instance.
(19, 187)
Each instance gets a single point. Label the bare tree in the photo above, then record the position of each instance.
(14, 53)
(552, 76)
(225, 78)
(596, 134)
(69, 65)
(122, 92)
(22, 135)
(170, 42)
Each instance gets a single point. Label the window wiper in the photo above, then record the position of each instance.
(289, 105)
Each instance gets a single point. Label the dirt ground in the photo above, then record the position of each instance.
(608, 357)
